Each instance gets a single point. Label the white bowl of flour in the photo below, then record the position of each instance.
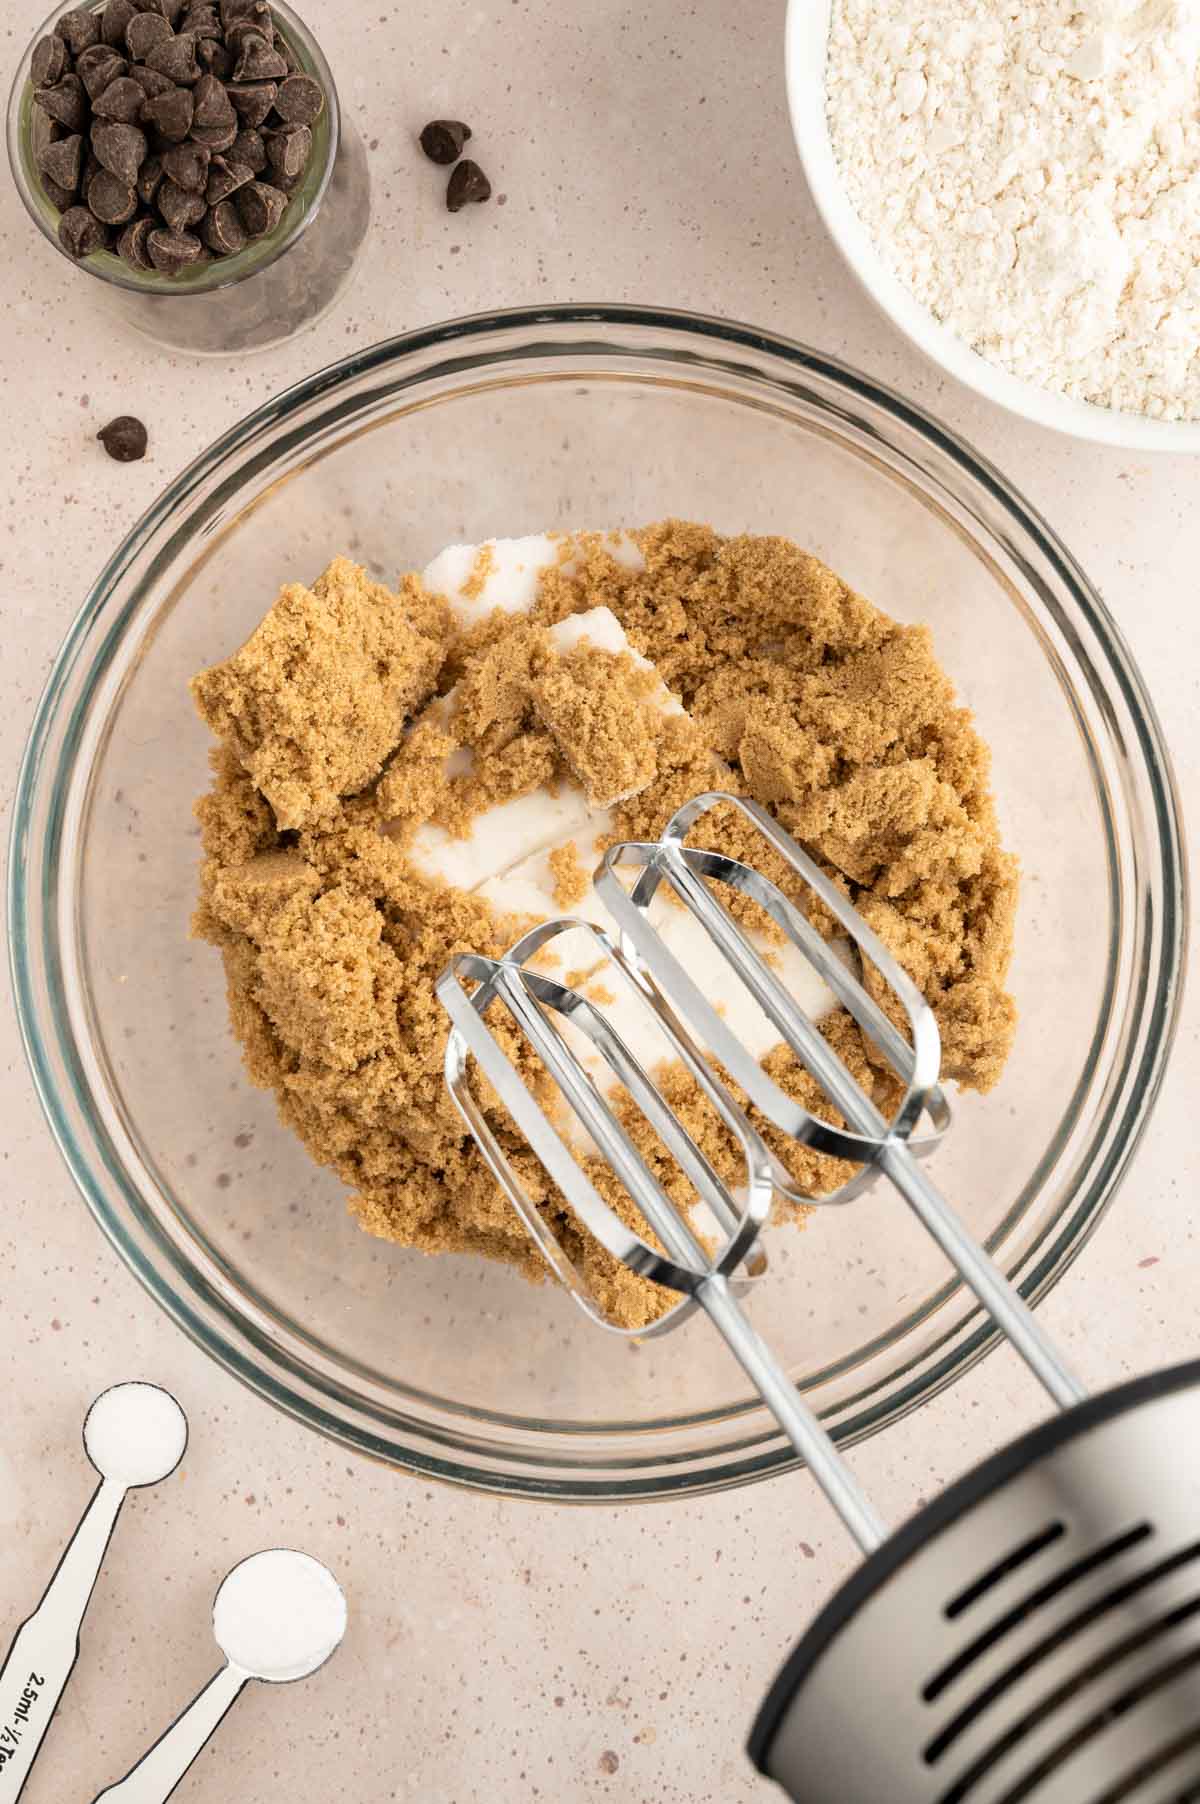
(945, 134)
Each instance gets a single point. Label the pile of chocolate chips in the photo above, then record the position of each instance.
(178, 127)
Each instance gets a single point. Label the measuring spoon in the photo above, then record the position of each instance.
(278, 1616)
(134, 1435)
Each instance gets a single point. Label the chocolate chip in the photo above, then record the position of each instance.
(63, 162)
(178, 207)
(149, 178)
(111, 199)
(288, 151)
(223, 231)
(467, 183)
(257, 61)
(122, 100)
(212, 103)
(124, 438)
(172, 251)
(170, 113)
(143, 32)
(176, 58)
(150, 81)
(300, 100)
(289, 56)
(114, 21)
(121, 148)
(256, 24)
(64, 102)
(226, 175)
(131, 245)
(187, 166)
(234, 10)
(252, 103)
(214, 57)
(201, 21)
(98, 68)
(48, 63)
(80, 29)
(91, 166)
(61, 197)
(80, 234)
(248, 148)
(261, 207)
(443, 140)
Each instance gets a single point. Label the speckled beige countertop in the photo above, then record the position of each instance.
(499, 1651)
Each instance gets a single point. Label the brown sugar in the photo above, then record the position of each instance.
(797, 692)
(318, 695)
(596, 706)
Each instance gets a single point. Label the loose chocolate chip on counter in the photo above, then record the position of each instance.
(223, 231)
(114, 21)
(79, 30)
(143, 32)
(63, 161)
(80, 234)
(261, 207)
(443, 140)
(248, 148)
(122, 149)
(111, 200)
(170, 113)
(225, 176)
(58, 196)
(467, 183)
(65, 102)
(124, 438)
(172, 251)
(178, 207)
(132, 246)
(187, 166)
(257, 61)
(300, 100)
(150, 81)
(288, 151)
(48, 63)
(149, 179)
(176, 58)
(121, 100)
(252, 101)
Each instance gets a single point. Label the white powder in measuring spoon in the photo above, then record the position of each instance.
(135, 1434)
(1031, 172)
(279, 1615)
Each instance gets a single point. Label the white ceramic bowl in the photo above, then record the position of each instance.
(805, 53)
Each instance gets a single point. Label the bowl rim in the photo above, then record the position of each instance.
(806, 36)
(239, 1344)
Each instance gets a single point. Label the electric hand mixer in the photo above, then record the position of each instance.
(1035, 1632)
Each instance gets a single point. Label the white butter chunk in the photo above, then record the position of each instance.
(510, 569)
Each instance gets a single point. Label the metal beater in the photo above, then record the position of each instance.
(1035, 1632)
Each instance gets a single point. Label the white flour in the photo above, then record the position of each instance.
(1032, 173)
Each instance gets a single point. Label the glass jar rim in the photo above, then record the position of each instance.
(218, 272)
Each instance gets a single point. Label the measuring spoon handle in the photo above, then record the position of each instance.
(46, 1646)
(161, 1768)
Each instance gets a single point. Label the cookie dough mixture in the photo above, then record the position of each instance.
(403, 775)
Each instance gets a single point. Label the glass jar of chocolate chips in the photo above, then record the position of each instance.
(191, 155)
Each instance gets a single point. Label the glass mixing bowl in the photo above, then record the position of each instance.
(563, 418)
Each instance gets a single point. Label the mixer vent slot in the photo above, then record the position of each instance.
(1053, 1700)
(1035, 1600)
(1054, 1531)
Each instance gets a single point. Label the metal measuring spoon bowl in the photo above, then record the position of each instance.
(134, 1435)
(277, 1616)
